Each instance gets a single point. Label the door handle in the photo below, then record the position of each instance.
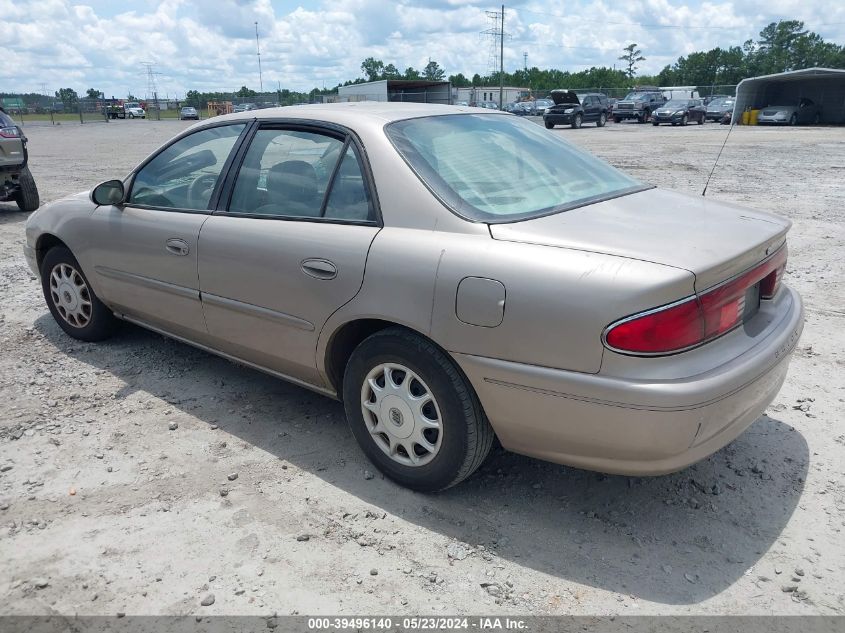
(319, 268)
(177, 246)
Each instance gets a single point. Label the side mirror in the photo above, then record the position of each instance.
(109, 192)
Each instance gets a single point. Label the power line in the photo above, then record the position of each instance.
(579, 18)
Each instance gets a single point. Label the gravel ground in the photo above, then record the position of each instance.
(259, 500)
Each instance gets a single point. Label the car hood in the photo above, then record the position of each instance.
(788, 109)
(713, 240)
(565, 97)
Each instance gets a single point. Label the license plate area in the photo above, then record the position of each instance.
(751, 303)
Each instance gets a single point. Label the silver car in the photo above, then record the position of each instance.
(807, 111)
(435, 270)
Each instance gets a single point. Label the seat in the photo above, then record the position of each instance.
(292, 190)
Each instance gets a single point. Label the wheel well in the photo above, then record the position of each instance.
(44, 244)
(344, 342)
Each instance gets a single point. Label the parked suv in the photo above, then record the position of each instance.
(572, 109)
(638, 105)
(16, 182)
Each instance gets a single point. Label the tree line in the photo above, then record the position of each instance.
(781, 46)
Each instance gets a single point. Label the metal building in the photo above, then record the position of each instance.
(825, 86)
(408, 90)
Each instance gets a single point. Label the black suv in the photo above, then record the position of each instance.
(638, 105)
(16, 181)
(572, 109)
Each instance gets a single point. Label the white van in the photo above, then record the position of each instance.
(680, 92)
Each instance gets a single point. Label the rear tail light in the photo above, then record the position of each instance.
(10, 132)
(698, 319)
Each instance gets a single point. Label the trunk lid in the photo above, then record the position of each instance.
(713, 240)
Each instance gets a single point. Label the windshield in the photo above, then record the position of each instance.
(493, 168)
(676, 103)
(635, 96)
(132, 105)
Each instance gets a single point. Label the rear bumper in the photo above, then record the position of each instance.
(634, 426)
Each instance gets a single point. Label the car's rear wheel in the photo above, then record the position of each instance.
(576, 122)
(413, 412)
(71, 300)
(602, 120)
(27, 196)
(549, 125)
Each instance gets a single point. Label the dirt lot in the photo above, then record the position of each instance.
(104, 509)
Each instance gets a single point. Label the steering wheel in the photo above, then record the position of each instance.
(199, 191)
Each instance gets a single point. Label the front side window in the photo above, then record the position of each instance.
(292, 173)
(493, 168)
(184, 174)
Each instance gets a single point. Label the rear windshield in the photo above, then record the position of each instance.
(495, 168)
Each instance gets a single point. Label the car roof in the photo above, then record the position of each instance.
(350, 113)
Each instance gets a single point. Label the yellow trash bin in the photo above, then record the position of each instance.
(752, 118)
(745, 117)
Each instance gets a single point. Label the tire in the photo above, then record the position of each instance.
(794, 119)
(576, 122)
(549, 125)
(817, 119)
(684, 120)
(602, 120)
(701, 121)
(655, 123)
(644, 117)
(463, 437)
(617, 120)
(27, 198)
(99, 323)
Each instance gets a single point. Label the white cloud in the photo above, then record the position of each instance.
(211, 46)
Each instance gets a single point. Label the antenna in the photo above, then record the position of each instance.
(706, 184)
(258, 53)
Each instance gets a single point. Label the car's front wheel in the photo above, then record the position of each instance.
(602, 120)
(576, 122)
(413, 411)
(549, 125)
(794, 119)
(27, 196)
(71, 300)
(684, 120)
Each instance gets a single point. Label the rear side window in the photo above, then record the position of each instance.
(301, 174)
(6, 120)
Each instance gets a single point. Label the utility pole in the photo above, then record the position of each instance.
(258, 53)
(502, 61)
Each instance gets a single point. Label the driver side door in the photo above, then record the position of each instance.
(143, 253)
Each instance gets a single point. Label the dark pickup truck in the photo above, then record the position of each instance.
(638, 105)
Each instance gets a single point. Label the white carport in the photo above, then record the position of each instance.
(825, 86)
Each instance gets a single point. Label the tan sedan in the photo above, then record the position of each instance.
(450, 274)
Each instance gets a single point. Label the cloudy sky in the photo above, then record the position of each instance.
(210, 44)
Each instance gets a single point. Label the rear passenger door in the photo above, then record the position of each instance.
(590, 110)
(287, 245)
